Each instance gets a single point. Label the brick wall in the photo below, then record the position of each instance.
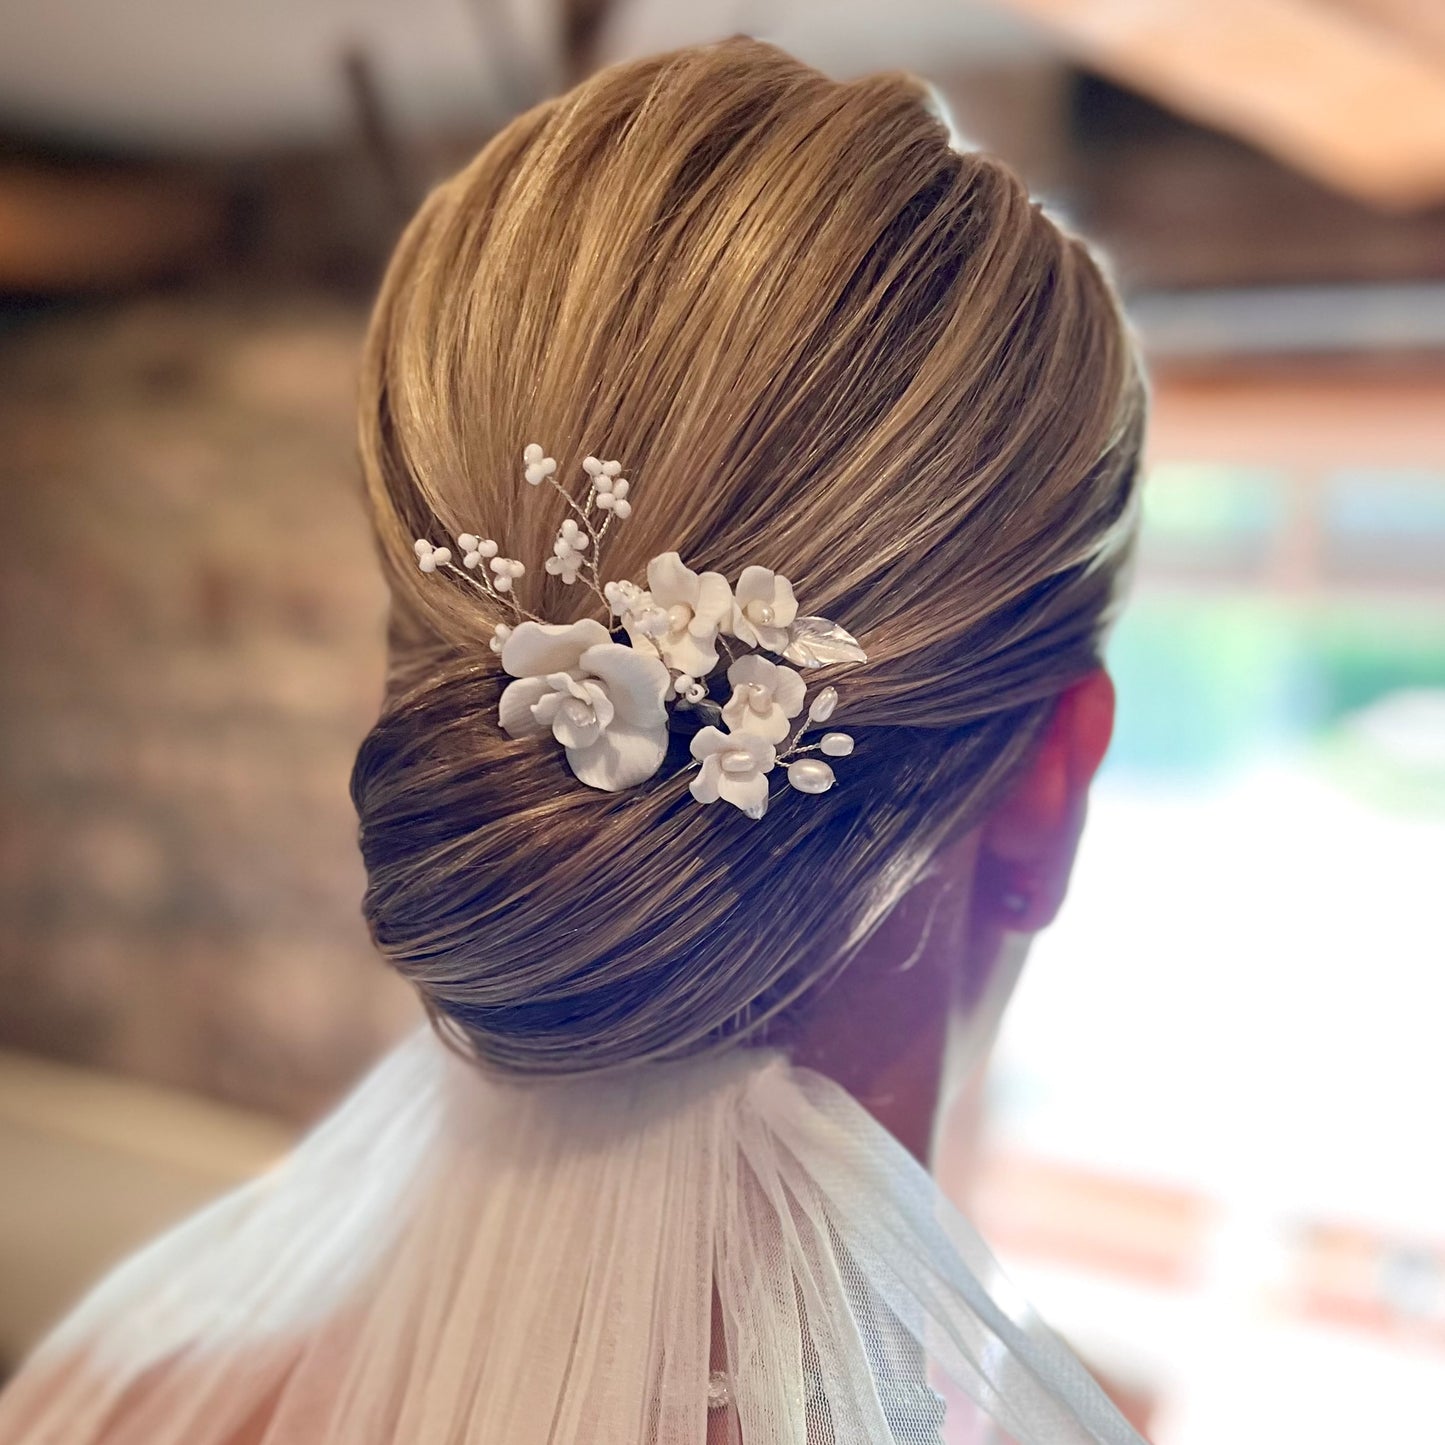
(190, 651)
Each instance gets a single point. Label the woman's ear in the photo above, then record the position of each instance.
(1027, 844)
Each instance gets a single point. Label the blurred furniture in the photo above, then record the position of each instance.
(94, 1165)
(66, 228)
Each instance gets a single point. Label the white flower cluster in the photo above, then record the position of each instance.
(569, 551)
(606, 702)
(609, 487)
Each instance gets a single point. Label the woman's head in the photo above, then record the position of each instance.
(819, 340)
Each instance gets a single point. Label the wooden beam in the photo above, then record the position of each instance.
(1342, 95)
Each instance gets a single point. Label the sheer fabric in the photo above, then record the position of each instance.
(453, 1260)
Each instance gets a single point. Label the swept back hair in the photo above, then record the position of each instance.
(819, 339)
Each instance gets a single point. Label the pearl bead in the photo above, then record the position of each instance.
(532, 453)
(837, 745)
(678, 617)
(822, 706)
(810, 775)
(442, 556)
(467, 542)
(421, 546)
(737, 762)
(487, 547)
(760, 698)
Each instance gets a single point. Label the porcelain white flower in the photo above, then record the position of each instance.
(735, 767)
(694, 605)
(602, 701)
(766, 697)
(763, 607)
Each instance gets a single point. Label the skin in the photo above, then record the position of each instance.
(883, 1032)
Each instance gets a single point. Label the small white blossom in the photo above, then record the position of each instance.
(475, 549)
(735, 767)
(505, 571)
(763, 608)
(609, 487)
(538, 466)
(429, 558)
(568, 552)
(766, 697)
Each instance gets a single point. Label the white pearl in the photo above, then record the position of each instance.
(421, 546)
(612, 469)
(503, 584)
(696, 692)
(487, 547)
(467, 542)
(620, 488)
(591, 466)
(427, 563)
(604, 500)
(442, 556)
(737, 762)
(471, 559)
(623, 509)
(810, 775)
(760, 698)
(821, 708)
(532, 453)
(837, 745)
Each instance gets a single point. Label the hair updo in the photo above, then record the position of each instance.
(819, 339)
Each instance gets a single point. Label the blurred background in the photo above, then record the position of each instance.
(1210, 1131)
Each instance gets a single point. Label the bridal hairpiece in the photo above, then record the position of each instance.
(612, 704)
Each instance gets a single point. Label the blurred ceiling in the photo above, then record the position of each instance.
(1349, 92)
(188, 74)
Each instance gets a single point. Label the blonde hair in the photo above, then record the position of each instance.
(819, 339)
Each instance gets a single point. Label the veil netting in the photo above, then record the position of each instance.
(454, 1259)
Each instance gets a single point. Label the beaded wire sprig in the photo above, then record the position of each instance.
(607, 700)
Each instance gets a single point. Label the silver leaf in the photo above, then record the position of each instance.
(817, 642)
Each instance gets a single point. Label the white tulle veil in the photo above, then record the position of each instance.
(450, 1259)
